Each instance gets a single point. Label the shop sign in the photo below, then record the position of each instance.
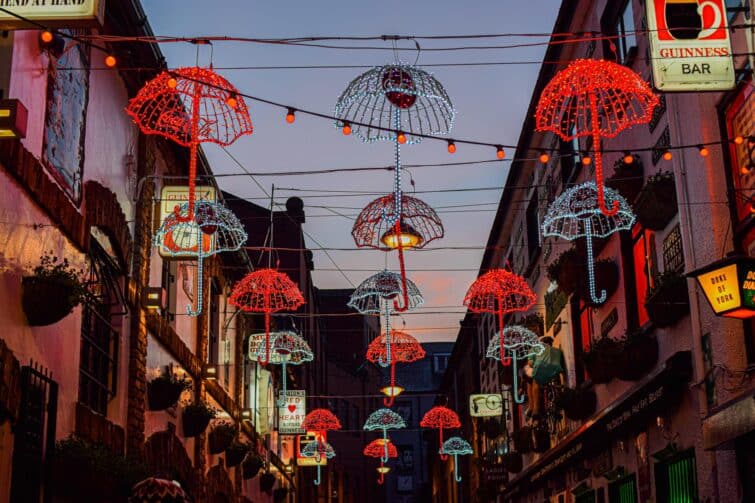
(690, 47)
(493, 473)
(291, 413)
(180, 243)
(52, 13)
(488, 405)
(301, 442)
(729, 286)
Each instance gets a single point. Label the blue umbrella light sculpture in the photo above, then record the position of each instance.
(375, 295)
(318, 450)
(384, 419)
(286, 348)
(520, 344)
(212, 230)
(458, 447)
(577, 214)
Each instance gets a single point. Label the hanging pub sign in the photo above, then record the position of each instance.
(690, 46)
(729, 286)
(292, 411)
(182, 245)
(52, 13)
(490, 405)
(301, 442)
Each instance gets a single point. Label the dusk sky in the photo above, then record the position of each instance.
(490, 101)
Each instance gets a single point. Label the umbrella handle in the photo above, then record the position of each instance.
(388, 402)
(384, 457)
(282, 399)
(517, 398)
(443, 456)
(387, 361)
(505, 360)
(381, 478)
(591, 267)
(457, 477)
(404, 291)
(200, 280)
(599, 160)
(266, 358)
(317, 480)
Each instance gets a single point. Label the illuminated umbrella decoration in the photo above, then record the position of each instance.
(405, 349)
(212, 230)
(458, 447)
(318, 450)
(286, 348)
(321, 421)
(499, 292)
(595, 98)
(520, 344)
(377, 295)
(575, 214)
(384, 419)
(155, 490)
(383, 104)
(266, 291)
(441, 418)
(376, 449)
(217, 113)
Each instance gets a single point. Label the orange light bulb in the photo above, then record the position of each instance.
(739, 140)
(231, 102)
(451, 147)
(544, 157)
(628, 159)
(401, 138)
(704, 151)
(46, 36)
(499, 153)
(667, 155)
(290, 116)
(346, 129)
(110, 61)
(586, 160)
(172, 83)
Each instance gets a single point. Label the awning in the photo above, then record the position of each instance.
(630, 412)
(729, 422)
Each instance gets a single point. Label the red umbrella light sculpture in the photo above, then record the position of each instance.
(266, 291)
(597, 99)
(376, 449)
(321, 421)
(404, 349)
(500, 292)
(441, 418)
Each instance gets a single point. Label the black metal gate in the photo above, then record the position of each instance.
(34, 435)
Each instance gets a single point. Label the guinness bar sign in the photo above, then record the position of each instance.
(52, 13)
(690, 46)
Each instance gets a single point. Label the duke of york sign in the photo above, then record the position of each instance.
(690, 46)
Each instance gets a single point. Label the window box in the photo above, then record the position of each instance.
(627, 179)
(638, 357)
(195, 418)
(566, 271)
(52, 292)
(668, 301)
(606, 278)
(267, 481)
(601, 358)
(251, 467)
(657, 205)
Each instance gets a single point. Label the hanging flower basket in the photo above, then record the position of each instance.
(656, 205)
(195, 418)
(52, 292)
(221, 436)
(567, 270)
(267, 481)
(523, 440)
(577, 404)
(251, 467)
(606, 278)
(627, 179)
(542, 439)
(600, 360)
(280, 494)
(235, 453)
(164, 391)
(638, 357)
(512, 462)
(668, 301)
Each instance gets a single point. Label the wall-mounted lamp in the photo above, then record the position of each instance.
(153, 298)
(13, 119)
(210, 372)
(246, 415)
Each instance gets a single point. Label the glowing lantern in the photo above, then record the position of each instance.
(594, 98)
(376, 449)
(403, 348)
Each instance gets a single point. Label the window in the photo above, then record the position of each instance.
(585, 497)
(676, 480)
(645, 270)
(663, 142)
(170, 269)
(623, 490)
(440, 362)
(213, 321)
(626, 44)
(100, 339)
(570, 158)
